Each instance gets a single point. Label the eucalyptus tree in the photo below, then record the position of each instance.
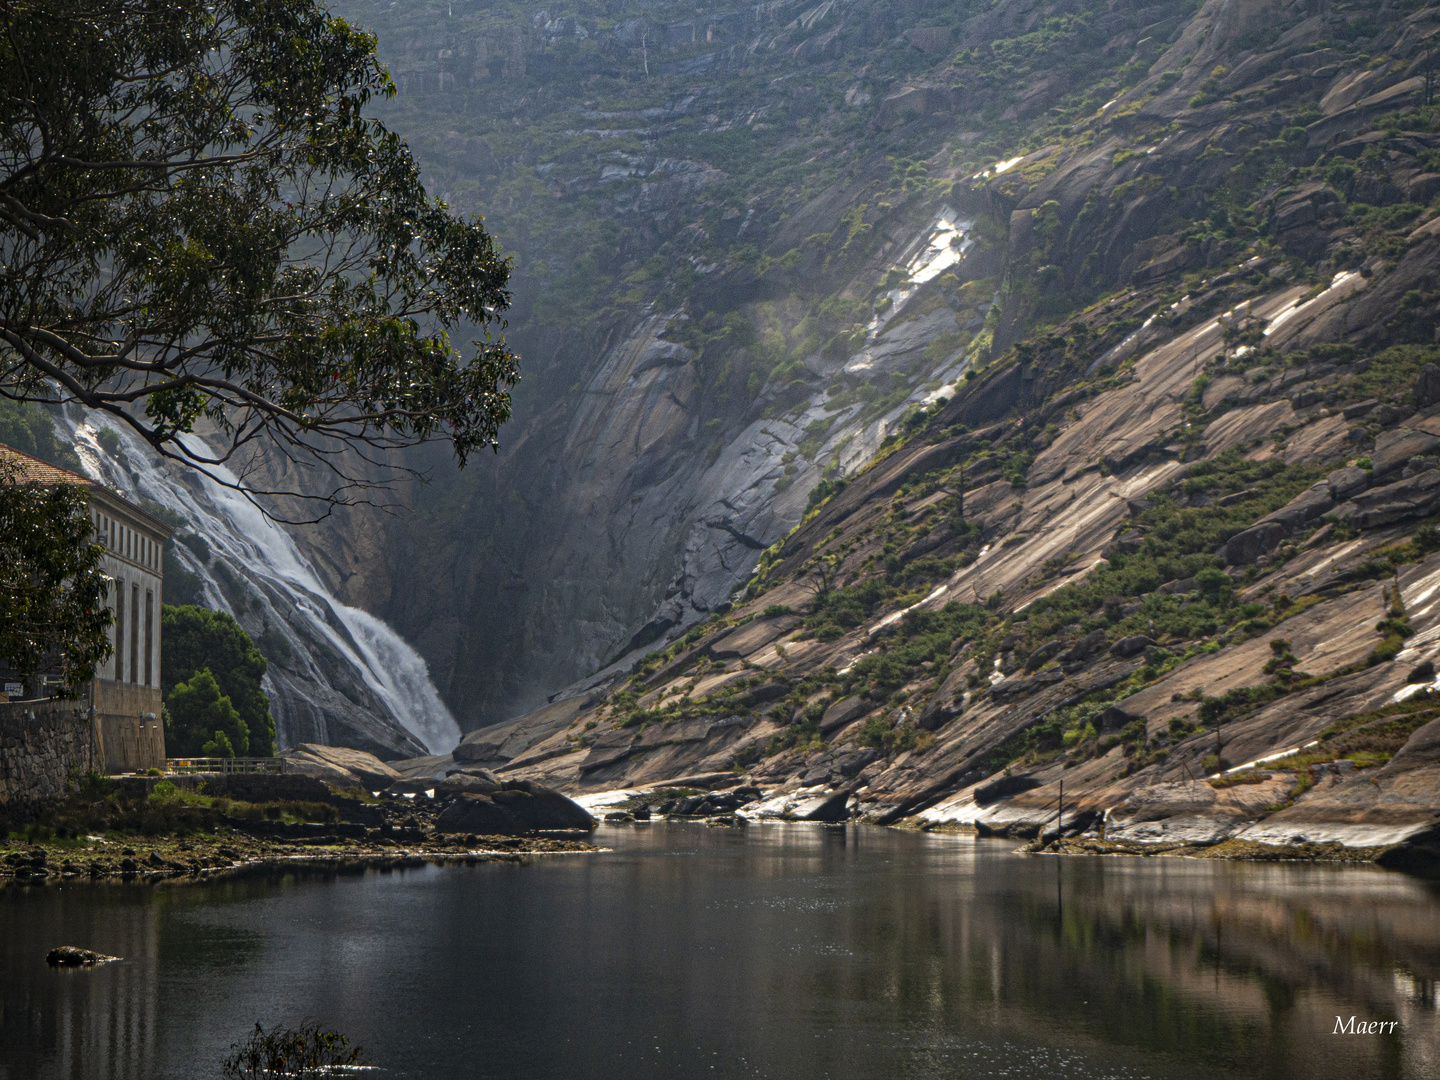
(200, 225)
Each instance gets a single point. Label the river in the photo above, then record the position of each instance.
(783, 951)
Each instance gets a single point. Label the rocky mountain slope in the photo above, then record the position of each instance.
(1169, 512)
(746, 249)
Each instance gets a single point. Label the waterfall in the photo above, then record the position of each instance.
(336, 673)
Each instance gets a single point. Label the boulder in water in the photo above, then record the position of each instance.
(71, 956)
(518, 806)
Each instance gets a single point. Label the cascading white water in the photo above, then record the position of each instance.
(284, 594)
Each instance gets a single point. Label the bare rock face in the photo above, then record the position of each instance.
(340, 766)
(843, 712)
(1245, 547)
(1416, 496)
(1427, 383)
(1394, 449)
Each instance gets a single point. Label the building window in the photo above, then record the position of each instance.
(149, 632)
(119, 630)
(135, 633)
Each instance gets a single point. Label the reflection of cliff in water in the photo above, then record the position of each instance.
(782, 950)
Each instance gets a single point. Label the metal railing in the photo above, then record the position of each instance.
(225, 765)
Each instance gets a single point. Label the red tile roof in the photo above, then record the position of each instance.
(29, 469)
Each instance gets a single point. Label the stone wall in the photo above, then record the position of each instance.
(43, 746)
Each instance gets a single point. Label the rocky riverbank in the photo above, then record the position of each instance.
(166, 858)
(193, 826)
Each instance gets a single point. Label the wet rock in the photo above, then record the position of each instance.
(1245, 547)
(1394, 448)
(1132, 645)
(844, 711)
(828, 807)
(520, 806)
(70, 956)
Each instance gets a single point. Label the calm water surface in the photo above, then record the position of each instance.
(786, 951)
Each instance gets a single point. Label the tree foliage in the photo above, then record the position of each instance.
(201, 721)
(197, 221)
(196, 643)
(52, 589)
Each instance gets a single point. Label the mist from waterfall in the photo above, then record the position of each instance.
(344, 668)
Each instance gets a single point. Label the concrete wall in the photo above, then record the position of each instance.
(44, 745)
(131, 735)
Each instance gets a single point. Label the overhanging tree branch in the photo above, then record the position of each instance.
(196, 221)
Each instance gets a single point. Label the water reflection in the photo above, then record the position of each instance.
(783, 951)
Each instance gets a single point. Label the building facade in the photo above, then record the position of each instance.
(125, 693)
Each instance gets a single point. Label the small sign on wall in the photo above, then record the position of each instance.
(14, 691)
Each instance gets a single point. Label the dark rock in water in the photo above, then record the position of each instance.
(70, 956)
(1419, 855)
(642, 813)
(719, 802)
(1245, 547)
(619, 815)
(1421, 672)
(519, 806)
(1004, 788)
(831, 807)
(128, 866)
(1130, 646)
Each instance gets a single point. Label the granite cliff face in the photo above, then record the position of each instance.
(748, 251)
(1170, 470)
